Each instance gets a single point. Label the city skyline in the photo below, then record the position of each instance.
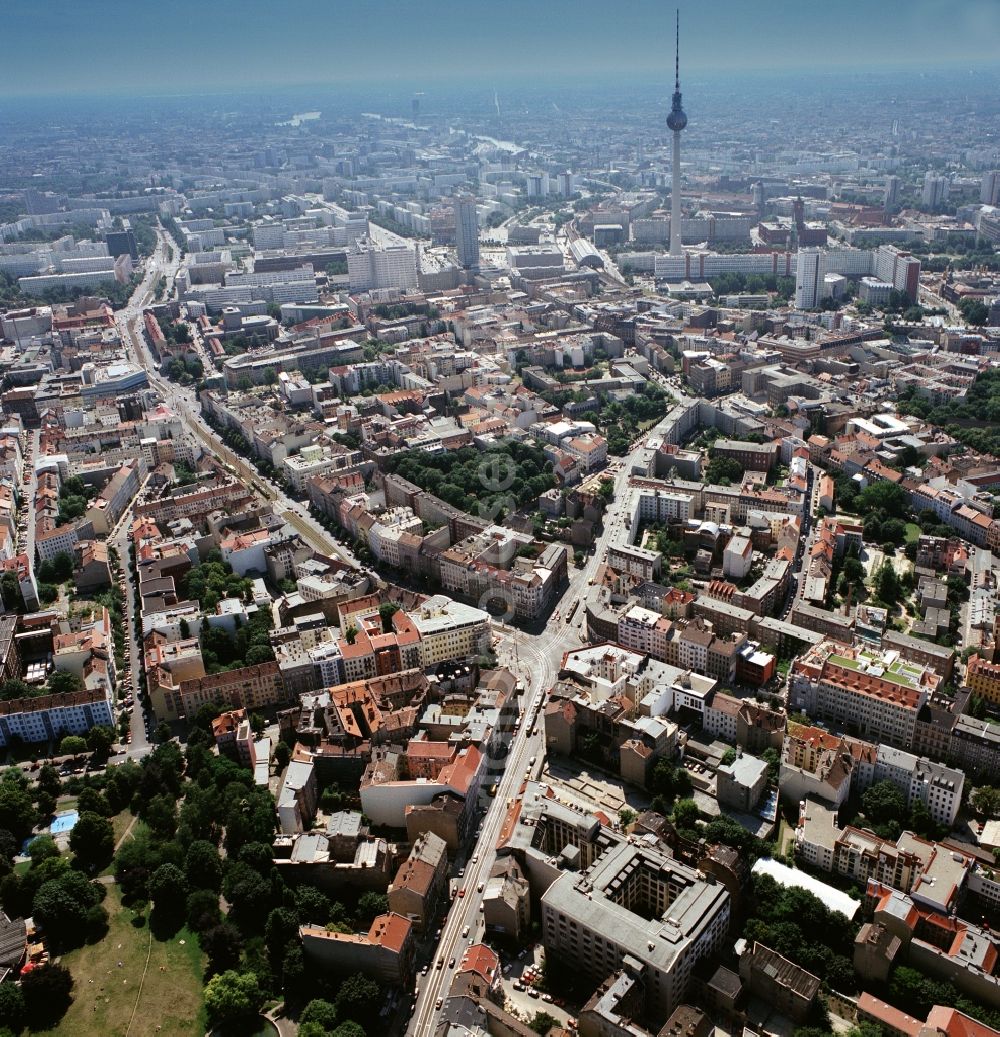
(559, 41)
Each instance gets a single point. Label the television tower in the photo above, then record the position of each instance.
(676, 121)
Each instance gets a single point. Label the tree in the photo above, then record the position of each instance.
(543, 1022)
(886, 497)
(72, 745)
(686, 813)
(257, 654)
(168, 890)
(348, 1029)
(358, 998)
(10, 591)
(232, 999)
(985, 799)
(47, 994)
(323, 1013)
(626, 817)
(886, 584)
(61, 905)
(15, 688)
(202, 866)
(222, 945)
(94, 801)
(99, 741)
(13, 1011)
(723, 471)
(17, 813)
(974, 311)
(386, 611)
(161, 816)
(370, 906)
(281, 929)
(202, 910)
(922, 821)
(282, 754)
(312, 905)
(62, 682)
(296, 983)
(62, 566)
(162, 733)
(47, 593)
(884, 802)
(42, 849)
(135, 860)
(351, 634)
(92, 841)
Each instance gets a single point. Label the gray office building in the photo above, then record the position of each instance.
(467, 233)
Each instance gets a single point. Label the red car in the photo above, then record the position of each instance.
(461, 892)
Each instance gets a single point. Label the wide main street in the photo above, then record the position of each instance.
(183, 401)
(536, 661)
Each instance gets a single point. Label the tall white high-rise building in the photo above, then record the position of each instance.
(467, 233)
(371, 267)
(888, 263)
(676, 121)
(809, 275)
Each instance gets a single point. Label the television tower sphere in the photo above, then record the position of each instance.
(677, 120)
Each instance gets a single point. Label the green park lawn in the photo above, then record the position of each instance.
(104, 995)
(912, 532)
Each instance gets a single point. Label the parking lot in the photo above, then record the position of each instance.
(527, 1001)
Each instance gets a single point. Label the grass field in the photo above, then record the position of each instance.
(120, 823)
(912, 532)
(104, 995)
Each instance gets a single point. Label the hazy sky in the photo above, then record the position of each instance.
(190, 46)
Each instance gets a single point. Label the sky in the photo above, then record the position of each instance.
(193, 46)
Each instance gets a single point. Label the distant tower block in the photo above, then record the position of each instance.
(415, 105)
(676, 121)
(467, 233)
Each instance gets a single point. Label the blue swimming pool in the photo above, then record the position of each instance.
(64, 822)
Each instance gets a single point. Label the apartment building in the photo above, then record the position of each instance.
(874, 695)
(385, 952)
(642, 630)
(248, 687)
(932, 873)
(488, 566)
(370, 267)
(938, 787)
(49, 718)
(778, 981)
(940, 944)
(635, 561)
(112, 501)
(754, 457)
(638, 903)
(983, 678)
(420, 881)
(298, 797)
(450, 630)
